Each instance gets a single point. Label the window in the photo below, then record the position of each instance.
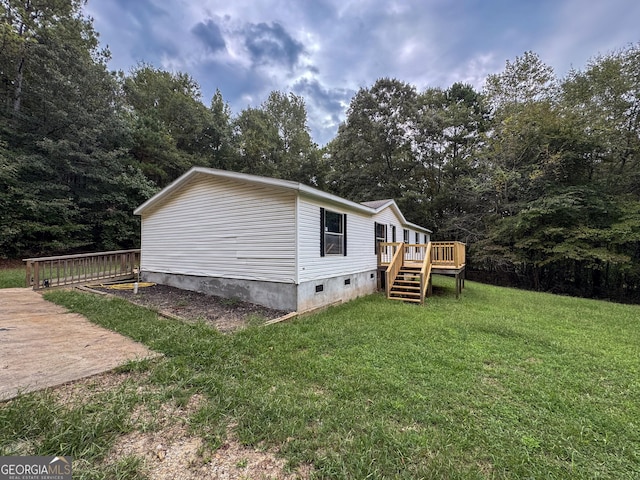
(417, 237)
(426, 239)
(393, 233)
(333, 233)
(380, 234)
(406, 236)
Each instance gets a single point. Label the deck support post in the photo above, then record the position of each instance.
(28, 282)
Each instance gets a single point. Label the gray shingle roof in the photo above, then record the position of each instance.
(376, 203)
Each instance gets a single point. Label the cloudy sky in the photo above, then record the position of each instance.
(325, 50)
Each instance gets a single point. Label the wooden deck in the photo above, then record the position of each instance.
(43, 345)
(408, 268)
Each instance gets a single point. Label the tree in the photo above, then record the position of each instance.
(374, 154)
(557, 196)
(63, 148)
(298, 155)
(605, 98)
(171, 129)
(24, 22)
(220, 132)
(274, 140)
(256, 141)
(453, 122)
(527, 79)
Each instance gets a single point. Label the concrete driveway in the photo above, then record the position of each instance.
(43, 345)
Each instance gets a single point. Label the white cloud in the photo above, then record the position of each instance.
(337, 46)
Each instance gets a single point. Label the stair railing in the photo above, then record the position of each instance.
(425, 273)
(394, 268)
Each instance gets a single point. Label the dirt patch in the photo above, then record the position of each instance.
(162, 440)
(82, 391)
(173, 454)
(226, 315)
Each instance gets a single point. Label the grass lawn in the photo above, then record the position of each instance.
(12, 277)
(500, 384)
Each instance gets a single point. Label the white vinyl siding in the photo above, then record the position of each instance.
(389, 218)
(223, 228)
(360, 256)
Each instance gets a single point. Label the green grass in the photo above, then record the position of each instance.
(500, 384)
(12, 277)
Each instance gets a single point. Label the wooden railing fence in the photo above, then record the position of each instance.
(386, 251)
(83, 268)
(448, 254)
(443, 254)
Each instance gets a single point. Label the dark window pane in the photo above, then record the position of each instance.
(333, 222)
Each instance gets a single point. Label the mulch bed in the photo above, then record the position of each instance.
(226, 315)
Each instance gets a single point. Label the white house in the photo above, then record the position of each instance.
(272, 242)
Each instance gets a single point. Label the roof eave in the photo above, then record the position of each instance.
(177, 183)
(394, 205)
(329, 197)
(273, 182)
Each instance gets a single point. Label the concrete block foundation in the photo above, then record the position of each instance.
(281, 296)
(327, 291)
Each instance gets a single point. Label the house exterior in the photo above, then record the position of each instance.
(272, 242)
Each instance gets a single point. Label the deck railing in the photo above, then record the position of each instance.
(448, 254)
(84, 268)
(415, 252)
(386, 251)
(443, 254)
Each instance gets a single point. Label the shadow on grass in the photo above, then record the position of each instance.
(445, 287)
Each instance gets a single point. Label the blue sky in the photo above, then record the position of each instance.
(325, 50)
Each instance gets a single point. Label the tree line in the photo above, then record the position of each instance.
(539, 175)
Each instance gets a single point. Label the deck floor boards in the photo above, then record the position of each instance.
(44, 345)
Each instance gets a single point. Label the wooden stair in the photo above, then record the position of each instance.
(406, 286)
